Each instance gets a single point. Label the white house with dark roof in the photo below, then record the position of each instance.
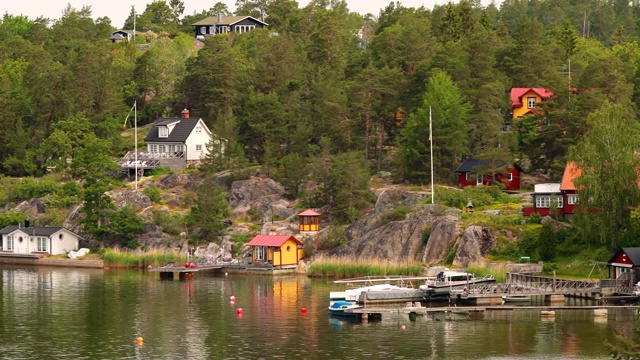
(45, 240)
(178, 138)
(221, 24)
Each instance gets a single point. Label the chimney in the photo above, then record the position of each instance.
(219, 18)
(185, 113)
(27, 223)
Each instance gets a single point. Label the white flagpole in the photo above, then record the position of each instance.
(431, 145)
(135, 121)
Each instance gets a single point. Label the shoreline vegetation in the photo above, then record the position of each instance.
(340, 267)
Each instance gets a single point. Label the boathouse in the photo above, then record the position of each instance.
(277, 250)
(309, 221)
(625, 265)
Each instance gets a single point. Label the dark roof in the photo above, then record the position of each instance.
(473, 165)
(225, 20)
(32, 230)
(117, 36)
(632, 253)
(180, 132)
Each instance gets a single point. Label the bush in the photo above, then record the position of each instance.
(397, 214)
(426, 232)
(334, 237)
(528, 243)
(153, 193)
(171, 222)
(451, 255)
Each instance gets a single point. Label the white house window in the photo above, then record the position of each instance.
(509, 176)
(467, 176)
(243, 28)
(261, 252)
(479, 179)
(161, 148)
(198, 129)
(572, 199)
(163, 132)
(199, 147)
(9, 242)
(531, 102)
(153, 148)
(211, 30)
(180, 148)
(203, 30)
(42, 244)
(172, 148)
(544, 201)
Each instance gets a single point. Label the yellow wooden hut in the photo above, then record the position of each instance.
(309, 221)
(278, 250)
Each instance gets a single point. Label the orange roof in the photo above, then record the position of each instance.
(571, 172)
(272, 240)
(518, 93)
(308, 212)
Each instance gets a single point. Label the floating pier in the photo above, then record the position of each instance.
(167, 272)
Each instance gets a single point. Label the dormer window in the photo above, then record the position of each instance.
(163, 132)
(531, 102)
(198, 129)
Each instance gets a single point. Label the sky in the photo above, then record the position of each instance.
(118, 10)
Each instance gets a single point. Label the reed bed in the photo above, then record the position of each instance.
(138, 258)
(347, 267)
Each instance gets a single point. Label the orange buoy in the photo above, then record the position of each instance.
(140, 340)
(403, 327)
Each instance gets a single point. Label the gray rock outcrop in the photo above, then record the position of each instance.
(474, 245)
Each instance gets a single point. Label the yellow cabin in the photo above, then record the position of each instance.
(309, 221)
(277, 250)
(525, 100)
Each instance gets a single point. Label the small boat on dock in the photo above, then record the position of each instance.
(343, 308)
(516, 298)
(448, 281)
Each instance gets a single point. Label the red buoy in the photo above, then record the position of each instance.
(303, 310)
(186, 265)
(239, 311)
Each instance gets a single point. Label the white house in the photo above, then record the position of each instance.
(52, 240)
(179, 138)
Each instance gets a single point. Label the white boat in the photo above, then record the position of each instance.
(343, 308)
(516, 298)
(454, 280)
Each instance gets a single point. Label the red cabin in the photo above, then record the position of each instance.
(474, 172)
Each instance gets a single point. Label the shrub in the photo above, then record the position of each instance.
(451, 255)
(426, 232)
(334, 237)
(171, 222)
(153, 193)
(397, 214)
(528, 243)
(160, 170)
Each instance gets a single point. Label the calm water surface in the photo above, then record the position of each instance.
(51, 313)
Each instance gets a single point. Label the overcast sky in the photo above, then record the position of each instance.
(118, 10)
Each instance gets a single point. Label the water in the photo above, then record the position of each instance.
(51, 313)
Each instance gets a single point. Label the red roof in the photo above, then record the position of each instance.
(571, 172)
(518, 93)
(272, 240)
(308, 212)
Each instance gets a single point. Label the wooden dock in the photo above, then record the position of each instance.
(373, 313)
(167, 272)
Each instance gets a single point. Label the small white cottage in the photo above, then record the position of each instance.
(46, 240)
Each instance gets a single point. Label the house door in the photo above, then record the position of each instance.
(21, 244)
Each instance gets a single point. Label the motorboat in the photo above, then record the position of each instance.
(454, 280)
(343, 308)
(516, 298)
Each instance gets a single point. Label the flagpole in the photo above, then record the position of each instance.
(431, 146)
(135, 122)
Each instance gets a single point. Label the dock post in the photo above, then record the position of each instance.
(166, 275)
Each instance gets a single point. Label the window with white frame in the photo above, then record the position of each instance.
(42, 244)
(212, 29)
(479, 179)
(467, 176)
(162, 148)
(10, 242)
(509, 176)
(544, 201)
(153, 148)
(163, 132)
(198, 129)
(199, 147)
(180, 148)
(531, 102)
(172, 148)
(243, 28)
(572, 199)
(203, 30)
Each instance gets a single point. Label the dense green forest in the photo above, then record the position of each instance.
(330, 94)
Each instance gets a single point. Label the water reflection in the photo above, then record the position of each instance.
(85, 314)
